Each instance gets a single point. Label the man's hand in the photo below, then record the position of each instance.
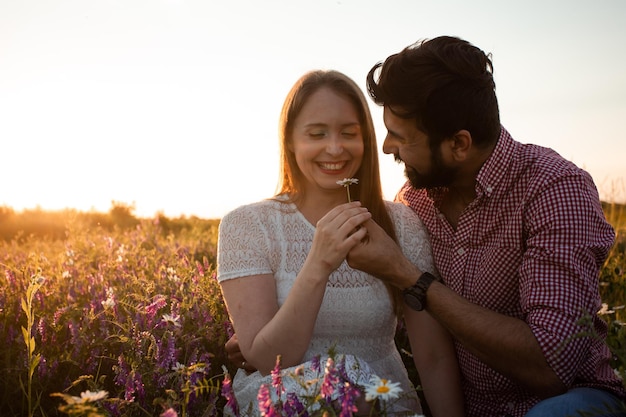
(380, 256)
(235, 356)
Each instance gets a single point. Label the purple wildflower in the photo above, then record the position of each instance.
(315, 364)
(293, 406)
(166, 352)
(42, 369)
(121, 371)
(136, 387)
(131, 380)
(347, 396)
(74, 329)
(228, 326)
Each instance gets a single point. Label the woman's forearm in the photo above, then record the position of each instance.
(289, 332)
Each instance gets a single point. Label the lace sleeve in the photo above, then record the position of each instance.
(412, 237)
(242, 245)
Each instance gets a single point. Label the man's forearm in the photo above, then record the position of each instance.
(504, 343)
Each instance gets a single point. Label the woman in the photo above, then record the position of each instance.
(282, 261)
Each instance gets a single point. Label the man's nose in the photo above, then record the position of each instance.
(390, 146)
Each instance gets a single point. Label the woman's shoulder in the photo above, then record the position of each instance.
(262, 210)
(403, 217)
(400, 210)
(252, 207)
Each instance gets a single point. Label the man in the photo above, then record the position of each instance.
(518, 237)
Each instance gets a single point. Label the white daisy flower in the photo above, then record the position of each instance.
(91, 396)
(172, 319)
(382, 388)
(348, 181)
(108, 303)
(605, 310)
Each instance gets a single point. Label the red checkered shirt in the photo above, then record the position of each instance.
(529, 246)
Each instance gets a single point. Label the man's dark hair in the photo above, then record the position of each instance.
(446, 84)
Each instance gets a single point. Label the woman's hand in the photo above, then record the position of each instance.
(336, 234)
(234, 355)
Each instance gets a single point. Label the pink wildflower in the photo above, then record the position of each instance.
(170, 412)
(200, 269)
(331, 379)
(277, 380)
(158, 303)
(266, 408)
(227, 392)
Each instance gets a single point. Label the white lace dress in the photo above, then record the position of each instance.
(356, 317)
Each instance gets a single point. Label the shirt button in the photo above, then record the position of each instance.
(489, 189)
(460, 251)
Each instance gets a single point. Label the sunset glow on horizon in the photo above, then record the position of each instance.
(172, 106)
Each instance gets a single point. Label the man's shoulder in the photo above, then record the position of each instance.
(514, 161)
(409, 195)
(545, 165)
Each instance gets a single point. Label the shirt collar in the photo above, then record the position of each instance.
(495, 167)
(492, 171)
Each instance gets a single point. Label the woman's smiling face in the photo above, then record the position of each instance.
(327, 140)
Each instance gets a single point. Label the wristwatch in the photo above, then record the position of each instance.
(415, 295)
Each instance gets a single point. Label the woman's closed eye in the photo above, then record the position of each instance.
(318, 134)
(349, 134)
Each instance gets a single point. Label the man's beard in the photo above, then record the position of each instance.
(438, 176)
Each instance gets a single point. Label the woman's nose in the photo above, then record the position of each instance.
(334, 145)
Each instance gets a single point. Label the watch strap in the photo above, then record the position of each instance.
(418, 290)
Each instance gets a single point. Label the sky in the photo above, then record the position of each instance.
(172, 106)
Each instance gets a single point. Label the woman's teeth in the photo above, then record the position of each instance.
(332, 166)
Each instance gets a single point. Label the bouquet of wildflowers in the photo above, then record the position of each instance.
(331, 395)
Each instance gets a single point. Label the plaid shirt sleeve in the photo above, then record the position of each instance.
(567, 240)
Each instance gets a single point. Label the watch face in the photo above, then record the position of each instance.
(413, 301)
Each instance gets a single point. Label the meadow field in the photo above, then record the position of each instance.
(94, 302)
